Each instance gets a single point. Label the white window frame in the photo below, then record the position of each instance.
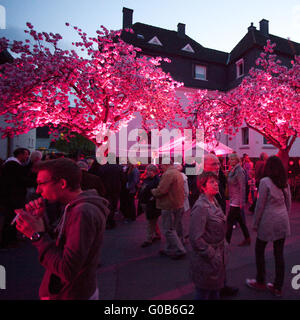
(205, 72)
(238, 64)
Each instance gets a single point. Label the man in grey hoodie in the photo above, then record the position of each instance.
(71, 256)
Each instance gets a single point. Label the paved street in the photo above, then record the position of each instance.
(129, 272)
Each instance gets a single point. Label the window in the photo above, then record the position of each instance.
(200, 72)
(188, 48)
(245, 135)
(155, 41)
(239, 68)
(265, 141)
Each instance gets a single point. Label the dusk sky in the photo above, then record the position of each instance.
(216, 24)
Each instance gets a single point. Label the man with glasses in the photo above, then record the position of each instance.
(71, 256)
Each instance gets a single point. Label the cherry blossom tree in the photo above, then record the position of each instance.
(267, 101)
(90, 93)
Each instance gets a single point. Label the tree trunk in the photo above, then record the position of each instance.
(283, 155)
(9, 148)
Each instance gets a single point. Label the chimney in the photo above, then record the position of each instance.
(251, 27)
(181, 30)
(264, 27)
(127, 18)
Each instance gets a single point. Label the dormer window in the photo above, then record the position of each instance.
(188, 48)
(155, 41)
(200, 72)
(239, 68)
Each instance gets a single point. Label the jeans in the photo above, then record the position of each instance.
(204, 294)
(234, 215)
(152, 229)
(170, 220)
(260, 247)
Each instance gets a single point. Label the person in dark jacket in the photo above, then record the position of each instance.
(90, 181)
(259, 174)
(70, 258)
(148, 204)
(111, 176)
(211, 163)
(35, 157)
(13, 189)
(132, 178)
(236, 187)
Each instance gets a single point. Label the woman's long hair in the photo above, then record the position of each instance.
(274, 169)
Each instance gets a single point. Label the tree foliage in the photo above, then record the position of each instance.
(89, 94)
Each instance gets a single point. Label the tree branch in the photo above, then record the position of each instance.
(268, 137)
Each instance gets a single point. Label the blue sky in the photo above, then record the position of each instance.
(216, 24)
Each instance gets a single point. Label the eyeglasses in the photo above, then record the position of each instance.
(43, 183)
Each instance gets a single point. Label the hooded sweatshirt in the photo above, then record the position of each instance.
(71, 260)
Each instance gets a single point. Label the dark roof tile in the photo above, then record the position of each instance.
(172, 44)
(256, 38)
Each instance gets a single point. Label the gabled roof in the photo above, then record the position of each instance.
(172, 44)
(257, 38)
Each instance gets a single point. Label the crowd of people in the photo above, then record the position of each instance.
(63, 206)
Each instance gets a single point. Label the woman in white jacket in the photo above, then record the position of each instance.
(271, 222)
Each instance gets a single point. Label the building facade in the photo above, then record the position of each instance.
(203, 68)
(9, 144)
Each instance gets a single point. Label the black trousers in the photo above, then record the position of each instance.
(234, 216)
(128, 207)
(278, 246)
(113, 205)
(9, 233)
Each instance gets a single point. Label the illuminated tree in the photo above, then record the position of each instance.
(89, 95)
(267, 101)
